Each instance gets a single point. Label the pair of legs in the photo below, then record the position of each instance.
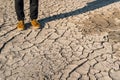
(19, 8)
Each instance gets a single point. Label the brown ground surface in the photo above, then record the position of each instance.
(79, 40)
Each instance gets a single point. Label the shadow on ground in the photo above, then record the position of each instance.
(90, 6)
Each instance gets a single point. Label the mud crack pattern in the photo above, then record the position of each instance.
(79, 40)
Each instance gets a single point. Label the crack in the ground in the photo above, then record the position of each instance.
(8, 32)
(6, 43)
(75, 69)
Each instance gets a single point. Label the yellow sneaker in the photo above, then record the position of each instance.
(35, 24)
(20, 25)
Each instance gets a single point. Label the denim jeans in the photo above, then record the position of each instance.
(19, 8)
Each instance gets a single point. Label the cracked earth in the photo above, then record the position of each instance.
(79, 40)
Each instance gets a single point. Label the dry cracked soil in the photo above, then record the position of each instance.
(79, 40)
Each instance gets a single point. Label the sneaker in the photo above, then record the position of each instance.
(35, 24)
(20, 25)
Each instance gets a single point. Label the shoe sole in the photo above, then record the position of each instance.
(20, 29)
(35, 27)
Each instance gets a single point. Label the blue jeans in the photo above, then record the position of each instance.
(19, 8)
